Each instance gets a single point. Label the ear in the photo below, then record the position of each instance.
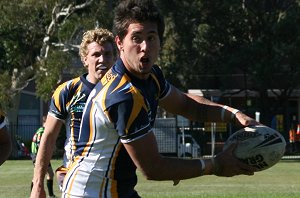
(85, 64)
(119, 43)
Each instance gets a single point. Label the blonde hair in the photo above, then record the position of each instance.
(98, 35)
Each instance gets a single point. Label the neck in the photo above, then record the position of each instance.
(88, 78)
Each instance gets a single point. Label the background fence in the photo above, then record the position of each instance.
(168, 135)
(21, 136)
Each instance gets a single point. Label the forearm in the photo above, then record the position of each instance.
(224, 164)
(43, 158)
(180, 169)
(198, 108)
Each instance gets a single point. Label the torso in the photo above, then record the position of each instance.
(100, 153)
(67, 104)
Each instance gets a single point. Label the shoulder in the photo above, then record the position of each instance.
(120, 92)
(67, 89)
(68, 85)
(159, 78)
(157, 70)
(115, 88)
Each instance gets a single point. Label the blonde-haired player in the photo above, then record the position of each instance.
(97, 53)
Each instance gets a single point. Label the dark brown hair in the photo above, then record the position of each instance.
(131, 11)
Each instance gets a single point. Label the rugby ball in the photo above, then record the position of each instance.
(259, 146)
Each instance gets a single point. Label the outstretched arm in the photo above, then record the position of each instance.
(198, 108)
(145, 155)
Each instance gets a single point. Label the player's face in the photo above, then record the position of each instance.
(140, 48)
(98, 60)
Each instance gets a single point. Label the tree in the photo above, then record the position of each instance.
(179, 58)
(245, 45)
(207, 44)
(39, 39)
(259, 39)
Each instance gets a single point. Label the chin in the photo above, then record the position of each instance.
(146, 70)
(101, 73)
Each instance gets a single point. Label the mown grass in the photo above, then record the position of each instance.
(280, 181)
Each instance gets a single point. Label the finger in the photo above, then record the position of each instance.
(247, 172)
(248, 169)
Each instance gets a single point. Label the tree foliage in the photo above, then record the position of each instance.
(39, 39)
(245, 45)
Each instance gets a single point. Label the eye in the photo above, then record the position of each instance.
(107, 54)
(152, 38)
(96, 54)
(136, 39)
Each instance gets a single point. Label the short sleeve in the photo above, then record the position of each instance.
(130, 122)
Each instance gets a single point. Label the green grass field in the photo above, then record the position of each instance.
(282, 180)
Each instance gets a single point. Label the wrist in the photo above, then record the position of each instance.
(225, 116)
(233, 113)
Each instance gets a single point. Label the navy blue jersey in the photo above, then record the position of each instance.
(67, 104)
(120, 109)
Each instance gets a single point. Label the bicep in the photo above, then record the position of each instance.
(174, 102)
(52, 128)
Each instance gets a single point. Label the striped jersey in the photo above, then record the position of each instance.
(35, 144)
(121, 109)
(2, 119)
(67, 104)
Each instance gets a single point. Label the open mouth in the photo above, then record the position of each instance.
(101, 67)
(145, 60)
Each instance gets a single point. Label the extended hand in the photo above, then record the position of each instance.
(226, 164)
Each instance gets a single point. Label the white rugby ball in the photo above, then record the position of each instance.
(259, 146)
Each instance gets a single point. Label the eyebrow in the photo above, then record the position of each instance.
(140, 32)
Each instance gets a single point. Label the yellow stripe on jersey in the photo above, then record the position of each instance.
(113, 163)
(91, 131)
(72, 132)
(57, 92)
(56, 95)
(72, 182)
(138, 104)
(76, 91)
(123, 80)
(104, 91)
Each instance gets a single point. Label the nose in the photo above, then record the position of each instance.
(144, 45)
(101, 58)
